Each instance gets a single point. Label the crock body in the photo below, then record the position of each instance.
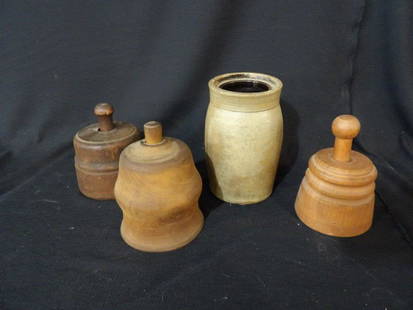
(243, 136)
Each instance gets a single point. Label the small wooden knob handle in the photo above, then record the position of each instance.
(104, 112)
(345, 128)
(153, 133)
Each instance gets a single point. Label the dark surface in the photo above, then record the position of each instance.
(152, 60)
(245, 87)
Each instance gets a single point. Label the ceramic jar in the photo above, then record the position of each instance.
(243, 136)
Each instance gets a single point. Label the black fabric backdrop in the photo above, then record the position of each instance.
(152, 60)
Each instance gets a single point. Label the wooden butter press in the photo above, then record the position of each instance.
(336, 196)
(97, 150)
(158, 190)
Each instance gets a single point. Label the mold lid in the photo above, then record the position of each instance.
(106, 130)
(358, 171)
(155, 149)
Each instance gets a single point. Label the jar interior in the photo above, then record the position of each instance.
(245, 86)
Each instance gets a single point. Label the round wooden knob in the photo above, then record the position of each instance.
(344, 128)
(104, 112)
(153, 133)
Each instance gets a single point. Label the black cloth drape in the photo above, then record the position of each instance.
(152, 60)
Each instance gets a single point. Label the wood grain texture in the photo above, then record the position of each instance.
(97, 150)
(158, 190)
(336, 196)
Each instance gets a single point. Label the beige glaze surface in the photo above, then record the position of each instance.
(243, 137)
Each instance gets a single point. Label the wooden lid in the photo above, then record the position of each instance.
(341, 165)
(356, 172)
(106, 130)
(155, 151)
